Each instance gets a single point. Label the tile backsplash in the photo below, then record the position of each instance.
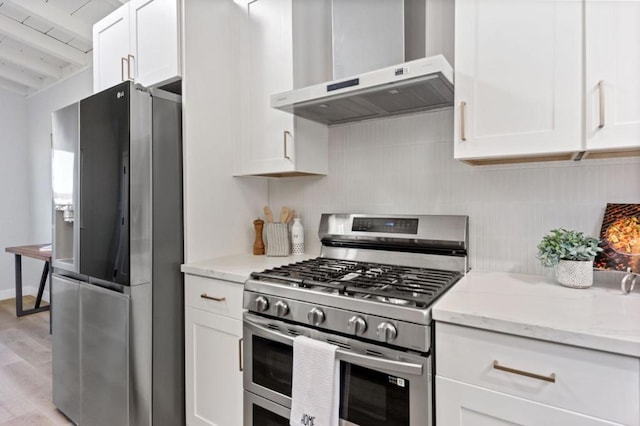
(405, 165)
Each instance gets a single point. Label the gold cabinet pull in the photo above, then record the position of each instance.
(240, 363)
(130, 58)
(286, 132)
(217, 299)
(463, 110)
(550, 378)
(122, 61)
(601, 101)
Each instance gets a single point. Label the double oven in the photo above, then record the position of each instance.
(379, 386)
(370, 294)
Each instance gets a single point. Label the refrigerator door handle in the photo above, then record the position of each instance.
(79, 210)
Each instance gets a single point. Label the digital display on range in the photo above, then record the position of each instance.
(382, 224)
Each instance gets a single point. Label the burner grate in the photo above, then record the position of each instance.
(401, 285)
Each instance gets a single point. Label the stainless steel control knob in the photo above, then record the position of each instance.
(282, 309)
(357, 325)
(387, 332)
(262, 304)
(315, 316)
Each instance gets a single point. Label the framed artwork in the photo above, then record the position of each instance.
(620, 238)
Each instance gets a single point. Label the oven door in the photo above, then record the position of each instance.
(379, 386)
(262, 412)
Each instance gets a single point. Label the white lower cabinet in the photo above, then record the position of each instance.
(489, 378)
(461, 404)
(213, 369)
(213, 352)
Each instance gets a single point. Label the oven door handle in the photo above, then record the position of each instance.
(373, 362)
(399, 367)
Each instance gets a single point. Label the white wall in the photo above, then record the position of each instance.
(14, 185)
(40, 107)
(36, 127)
(219, 208)
(405, 165)
(395, 165)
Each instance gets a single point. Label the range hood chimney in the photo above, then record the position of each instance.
(370, 76)
(366, 35)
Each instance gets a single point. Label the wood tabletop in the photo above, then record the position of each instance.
(31, 251)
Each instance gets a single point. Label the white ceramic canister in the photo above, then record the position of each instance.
(297, 237)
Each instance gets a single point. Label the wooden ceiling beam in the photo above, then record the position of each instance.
(40, 41)
(53, 16)
(31, 63)
(116, 2)
(20, 77)
(13, 87)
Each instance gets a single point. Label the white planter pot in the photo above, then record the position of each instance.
(575, 273)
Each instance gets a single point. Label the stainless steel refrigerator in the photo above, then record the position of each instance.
(117, 292)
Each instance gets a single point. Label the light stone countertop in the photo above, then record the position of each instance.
(600, 317)
(237, 268)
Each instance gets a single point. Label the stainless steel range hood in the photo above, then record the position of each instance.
(419, 85)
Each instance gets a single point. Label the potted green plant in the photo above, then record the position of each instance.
(572, 254)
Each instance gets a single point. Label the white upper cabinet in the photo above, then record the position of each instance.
(612, 75)
(272, 142)
(110, 49)
(517, 79)
(140, 41)
(271, 58)
(155, 41)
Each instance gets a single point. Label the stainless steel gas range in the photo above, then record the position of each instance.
(370, 293)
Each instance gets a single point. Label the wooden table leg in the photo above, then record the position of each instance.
(19, 285)
(43, 280)
(50, 300)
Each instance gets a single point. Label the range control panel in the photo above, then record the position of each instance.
(389, 225)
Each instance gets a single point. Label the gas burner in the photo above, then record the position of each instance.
(392, 300)
(390, 284)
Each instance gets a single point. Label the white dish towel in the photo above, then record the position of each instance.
(315, 390)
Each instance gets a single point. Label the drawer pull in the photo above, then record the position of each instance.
(217, 299)
(550, 378)
(240, 363)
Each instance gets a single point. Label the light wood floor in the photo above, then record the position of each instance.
(25, 368)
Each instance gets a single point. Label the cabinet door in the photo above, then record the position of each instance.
(111, 50)
(612, 70)
(517, 77)
(270, 48)
(155, 41)
(213, 369)
(104, 356)
(65, 342)
(460, 404)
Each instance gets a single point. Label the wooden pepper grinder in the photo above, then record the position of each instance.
(258, 245)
